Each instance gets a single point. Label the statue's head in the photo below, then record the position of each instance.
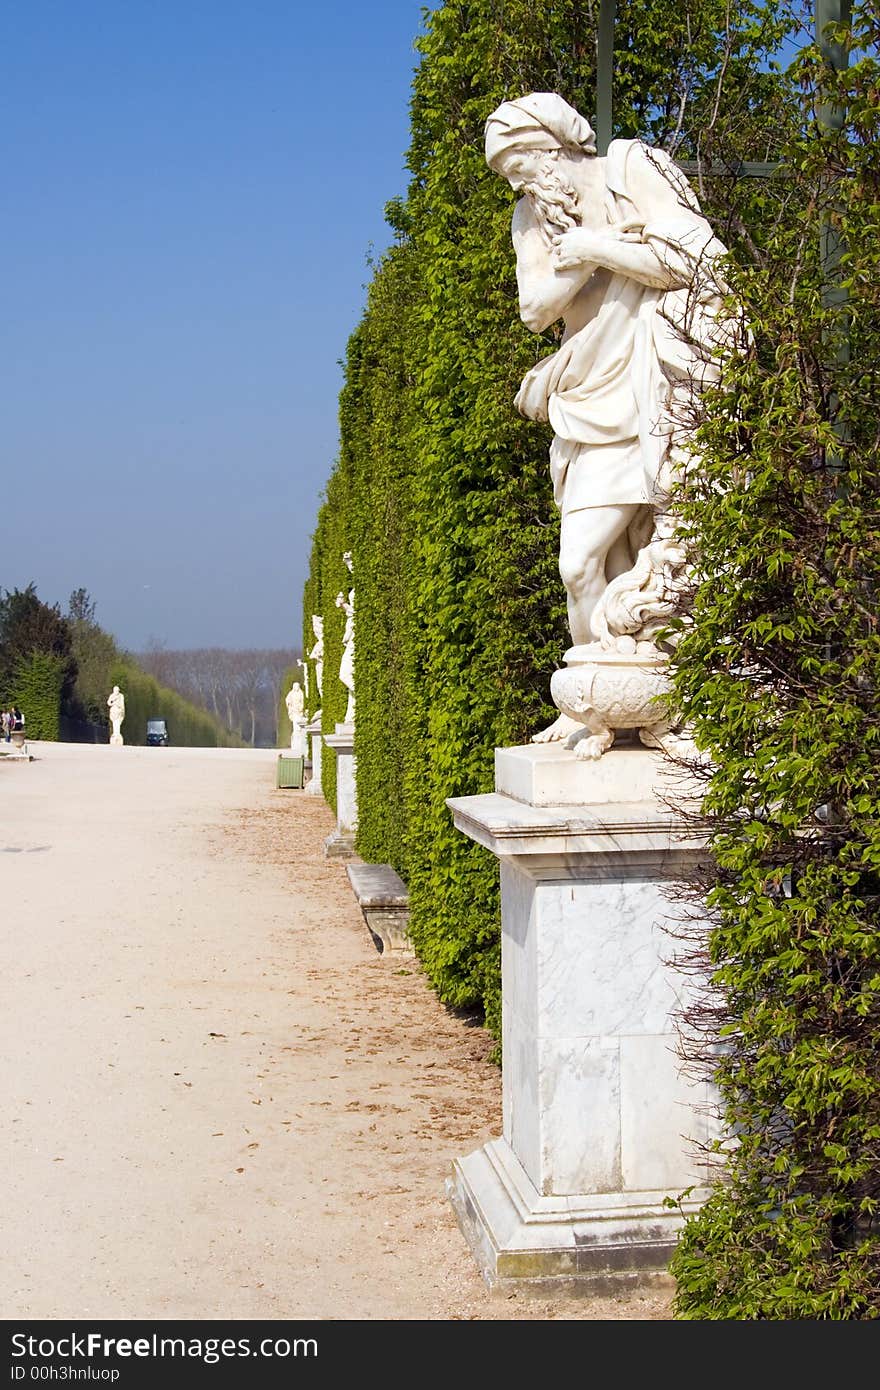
(317, 625)
(537, 124)
(528, 142)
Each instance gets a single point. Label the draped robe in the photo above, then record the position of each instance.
(611, 388)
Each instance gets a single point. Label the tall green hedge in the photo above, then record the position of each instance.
(441, 490)
(312, 605)
(36, 686)
(376, 458)
(333, 578)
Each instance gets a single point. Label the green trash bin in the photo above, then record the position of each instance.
(290, 771)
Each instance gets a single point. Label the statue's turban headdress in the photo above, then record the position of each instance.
(539, 121)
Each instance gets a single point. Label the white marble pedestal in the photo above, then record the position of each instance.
(313, 786)
(340, 844)
(298, 742)
(597, 1117)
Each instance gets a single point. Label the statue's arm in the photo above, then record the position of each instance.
(545, 290)
(660, 246)
(622, 257)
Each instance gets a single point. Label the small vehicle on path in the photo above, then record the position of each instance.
(157, 733)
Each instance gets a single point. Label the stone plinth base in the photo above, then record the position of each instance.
(600, 1123)
(298, 744)
(592, 1244)
(340, 844)
(547, 774)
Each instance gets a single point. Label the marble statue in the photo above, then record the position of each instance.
(316, 656)
(116, 706)
(295, 702)
(346, 665)
(296, 710)
(303, 665)
(615, 247)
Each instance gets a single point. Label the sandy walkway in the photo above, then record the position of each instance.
(221, 1102)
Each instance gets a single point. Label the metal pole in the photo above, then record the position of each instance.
(604, 74)
(832, 117)
(832, 12)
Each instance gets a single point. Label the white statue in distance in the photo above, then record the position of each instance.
(295, 701)
(116, 706)
(346, 665)
(296, 706)
(618, 249)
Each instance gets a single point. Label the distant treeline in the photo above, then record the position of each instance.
(59, 668)
(241, 689)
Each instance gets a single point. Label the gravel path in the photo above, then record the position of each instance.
(221, 1101)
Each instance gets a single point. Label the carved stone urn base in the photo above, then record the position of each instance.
(610, 690)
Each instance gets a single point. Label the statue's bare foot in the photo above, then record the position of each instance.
(592, 748)
(560, 729)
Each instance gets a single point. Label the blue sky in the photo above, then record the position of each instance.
(191, 189)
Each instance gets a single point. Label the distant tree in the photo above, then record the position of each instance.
(27, 627)
(159, 661)
(81, 607)
(240, 688)
(275, 664)
(95, 652)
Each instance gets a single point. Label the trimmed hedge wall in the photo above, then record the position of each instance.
(37, 683)
(441, 490)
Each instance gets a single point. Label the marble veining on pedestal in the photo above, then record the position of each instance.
(594, 1102)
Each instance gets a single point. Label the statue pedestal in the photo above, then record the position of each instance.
(340, 844)
(116, 740)
(597, 1116)
(313, 786)
(298, 746)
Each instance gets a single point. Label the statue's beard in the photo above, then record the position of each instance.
(554, 201)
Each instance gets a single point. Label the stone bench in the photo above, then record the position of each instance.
(384, 901)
